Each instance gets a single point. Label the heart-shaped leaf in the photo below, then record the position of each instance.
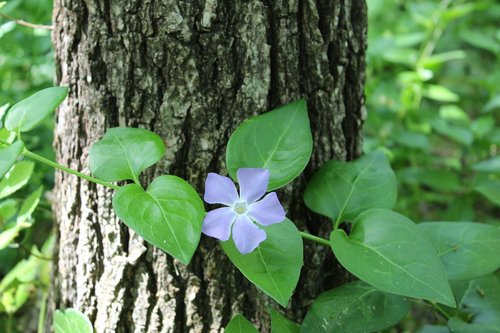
(31, 111)
(467, 250)
(342, 190)
(279, 140)
(8, 156)
(240, 324)
(275, 265)
(279, 324)
(17, 177)
(71, 321)
(355, 307)
(168, 215)
(124, 152)
(388, 251)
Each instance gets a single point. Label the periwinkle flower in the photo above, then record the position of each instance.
(244, 212)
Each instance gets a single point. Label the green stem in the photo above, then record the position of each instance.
(316, 239)
(43, 312)
(68, 170)
(440, 310)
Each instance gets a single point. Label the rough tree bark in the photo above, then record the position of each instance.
(192, 71)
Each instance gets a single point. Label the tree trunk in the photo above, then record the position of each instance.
(191, 71)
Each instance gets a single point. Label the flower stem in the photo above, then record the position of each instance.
(68, 170)
(316, 239)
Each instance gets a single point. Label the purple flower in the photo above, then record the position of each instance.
(243, 210)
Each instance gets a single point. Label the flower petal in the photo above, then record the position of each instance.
(217, 223)
(246, 235)
(220, 189)
(268, 210)
(253, 183)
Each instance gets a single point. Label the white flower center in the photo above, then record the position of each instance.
(240, 207)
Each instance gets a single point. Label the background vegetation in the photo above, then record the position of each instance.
(433, 102)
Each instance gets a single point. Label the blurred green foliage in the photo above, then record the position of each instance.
(433, 100)
(26, 66)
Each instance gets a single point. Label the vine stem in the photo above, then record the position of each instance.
(316, 239)
(27, 24)
(68, 170)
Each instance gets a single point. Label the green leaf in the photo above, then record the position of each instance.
(124, 152)
(459, 134)
(279, 324)
(355, 307)
(275, 265)
(7, 236)
(29, 205)
(71, 321)
(467, 250)
(342, 190)
(490, 165)
(440, 93)
(240, 324)
(31, 111)
(8, 209)
(279, 140)
(168, 215)
(457, 325)
(8, 156)
(16, 178)
(490, 189)
(388, 251)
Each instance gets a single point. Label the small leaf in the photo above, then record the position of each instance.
(275, 265)
(279, 140)
(168, 215)
(489, 165)
(124, 152)
(8, 156)
(355, 307)
(17, 177)
(489, 189)
(29, 205)
(388, 251)
(342, 190)
(8, 236)
(467, 250)
(279, 324)
(31, 111)
(240, 324)
(71, 321)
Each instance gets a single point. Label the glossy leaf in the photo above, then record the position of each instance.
(388, 251)
(168, 215)
(124, 152)
(275, 265)
(342, 190)
(280, 324)
(355, 307)
(31, 111)
(240, 324)
(17, 177)
(8, 156)
(279, 140)
(71, 321)
(467, 250)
